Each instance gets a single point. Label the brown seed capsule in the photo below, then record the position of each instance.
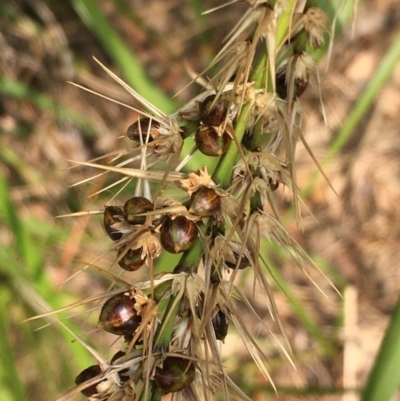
(116, 356)
(282, 90)
(132, 260)
(119, 316)
(87, 374)
(210, 143)
(213, 115)
(179, 234)
(273, 184)
(220, 325)
(175, 375)
(205, 202)
(134, 206)
(141, 127)
(244, 262)
(112, 215)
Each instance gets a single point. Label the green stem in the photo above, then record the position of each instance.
(384, 378)
(188, 263)
(284, 21)
(223, 172)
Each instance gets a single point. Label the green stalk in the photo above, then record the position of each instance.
(188, 263)
(284, 21)
(384, 378)
(223, 171)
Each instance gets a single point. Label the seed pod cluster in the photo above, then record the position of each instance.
(118, 221)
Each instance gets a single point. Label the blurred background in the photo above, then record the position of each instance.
(44, 122)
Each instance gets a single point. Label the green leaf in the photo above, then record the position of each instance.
(384, 378)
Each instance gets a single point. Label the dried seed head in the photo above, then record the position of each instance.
(143, 128)
(213, 113)
(197, 180)
(87, 374)
(205, 202)
(134, 206)
(301, 68)
(112, 217)
(210, 142)
(316, 24)
(119, 315)
(179, 234)
(132, 260)
(175, 374)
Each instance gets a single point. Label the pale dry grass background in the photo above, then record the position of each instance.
(357, 232)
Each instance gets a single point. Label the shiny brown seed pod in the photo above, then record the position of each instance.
(134, 206)
(141, 127)
(244, 262)
(132, 260)
(213, 114)
(87, 374)
(220, 325)
(119, 316)
(282, 90)
(273, 184)
(112, 215)
(179, 234)
(210, 143)
(175, 374)
(205, 202)
(116, 356)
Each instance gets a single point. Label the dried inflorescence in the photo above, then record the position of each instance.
(249, 117)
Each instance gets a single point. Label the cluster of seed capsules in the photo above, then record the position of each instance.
(141, 229)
